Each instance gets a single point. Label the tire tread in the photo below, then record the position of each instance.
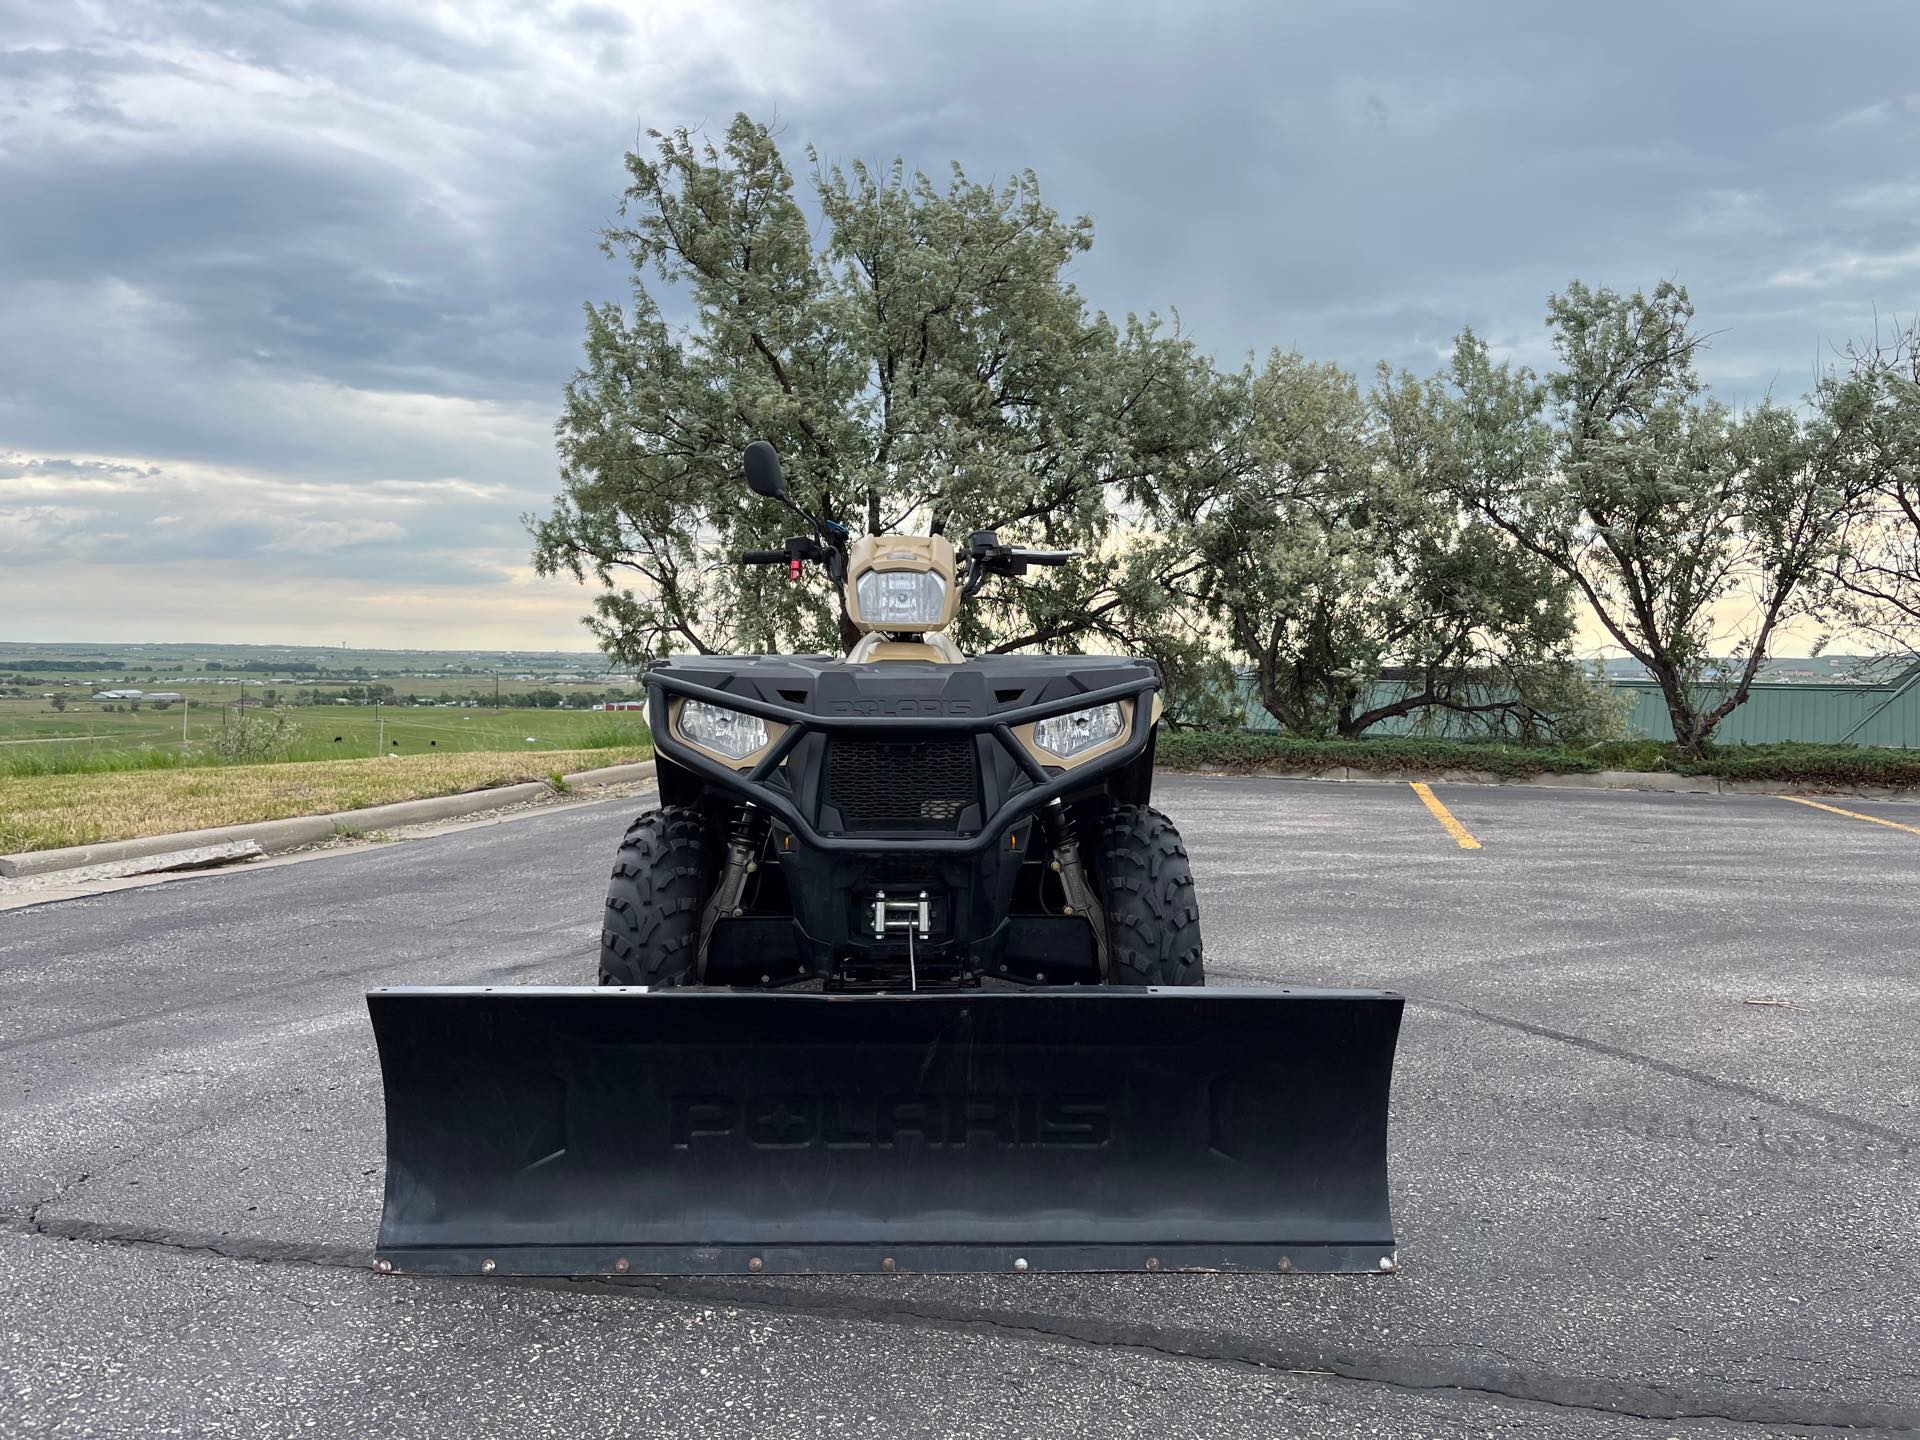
(651, 932)
(1146, 888)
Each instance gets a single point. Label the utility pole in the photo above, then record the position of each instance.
(380, 731)
(496, 690)
(186, 704)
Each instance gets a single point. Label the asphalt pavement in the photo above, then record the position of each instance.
(1656, 1138)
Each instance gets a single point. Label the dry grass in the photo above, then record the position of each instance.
(43, 812)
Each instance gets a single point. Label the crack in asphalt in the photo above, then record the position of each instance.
(1512, 1384)
(1677, 1071)
(1380, 1368)
(33, 1213)
(197, 1006)
(1671, 1068)
(246, 1248)
(318, 981)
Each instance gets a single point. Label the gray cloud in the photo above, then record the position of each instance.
(286, 254)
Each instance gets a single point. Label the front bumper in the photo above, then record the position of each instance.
(1029, 786)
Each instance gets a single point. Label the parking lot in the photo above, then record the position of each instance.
(1656, 1139)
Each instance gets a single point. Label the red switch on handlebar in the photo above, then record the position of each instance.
(793, 570)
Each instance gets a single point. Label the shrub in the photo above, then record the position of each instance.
(1785, 764)
(254, 735)
(1802, 763)
(1642, 755)
(1250, 750)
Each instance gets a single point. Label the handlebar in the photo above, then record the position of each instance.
(1044, 557)
(983, 554)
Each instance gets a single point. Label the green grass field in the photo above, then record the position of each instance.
(35, 739)
(42, 812)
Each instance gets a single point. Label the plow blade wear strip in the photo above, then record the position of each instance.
(548, 1130)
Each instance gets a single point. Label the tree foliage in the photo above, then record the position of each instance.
(1419, 550)
(1871, 405)
(928, 363)
(252, 735)
(1342, 559)
(1654, 501)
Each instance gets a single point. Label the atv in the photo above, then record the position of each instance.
(908, 823)
(905, 817)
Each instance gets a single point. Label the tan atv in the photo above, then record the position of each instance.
(911, 822)
(904, 817)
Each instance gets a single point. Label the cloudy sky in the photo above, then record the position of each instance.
(288, 291)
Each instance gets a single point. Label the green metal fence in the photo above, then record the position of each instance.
(1884, 714)
(1825, 714)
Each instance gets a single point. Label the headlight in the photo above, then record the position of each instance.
(1069, 735)
(725, 732)
(901, 597)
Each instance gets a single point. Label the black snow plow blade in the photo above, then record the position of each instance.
(579, 1131)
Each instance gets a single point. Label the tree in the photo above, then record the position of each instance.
(254, 735)
(1342, 559)
(60, 702)
(1871, 406)
(927, 364)
(1654, 501)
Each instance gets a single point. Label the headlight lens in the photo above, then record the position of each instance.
(901, 597)
(725, 732)
(1066, 736)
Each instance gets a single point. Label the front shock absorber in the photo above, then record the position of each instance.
(745, 839)
(1075, 883)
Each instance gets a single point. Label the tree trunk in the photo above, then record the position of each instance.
(1267, 688)
(1690, 729)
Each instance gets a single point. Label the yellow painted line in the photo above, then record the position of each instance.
(1851, 814)
(1462, 836)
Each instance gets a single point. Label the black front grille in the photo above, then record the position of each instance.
(903, 784)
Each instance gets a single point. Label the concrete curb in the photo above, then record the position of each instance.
(273, 836)
(612, 774)
(1652, 780)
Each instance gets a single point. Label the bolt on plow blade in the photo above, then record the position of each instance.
(548, 1130)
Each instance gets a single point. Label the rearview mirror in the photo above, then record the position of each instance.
(763, 471)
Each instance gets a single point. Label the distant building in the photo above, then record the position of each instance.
(624, 705)
(117, 694)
